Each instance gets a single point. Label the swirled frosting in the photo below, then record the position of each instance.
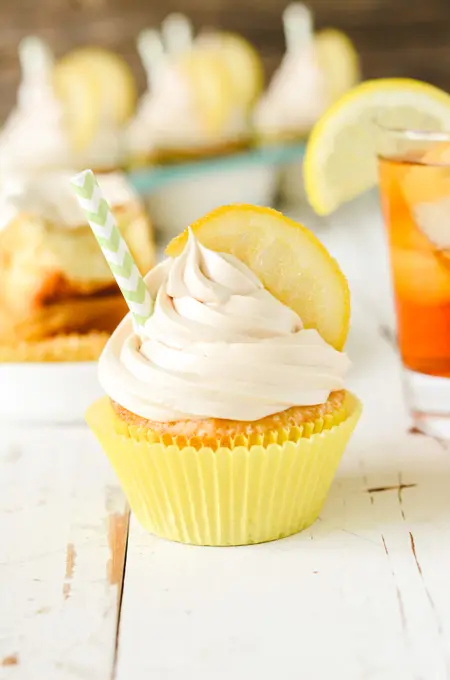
(34, 135)
(168, 118)
(48, 195)
(218, 345)
(296, 97)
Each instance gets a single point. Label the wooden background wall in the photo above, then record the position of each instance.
(394, 37)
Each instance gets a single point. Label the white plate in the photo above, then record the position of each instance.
(47, 393)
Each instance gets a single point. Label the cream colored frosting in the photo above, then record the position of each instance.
(49, 196)
(105, 152)
(34, 136)
(218, 345)
(167, 117)
(296, 96)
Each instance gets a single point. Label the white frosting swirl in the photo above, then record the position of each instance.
(168, 118)
(34, 136)
(48, 195)
(218, 345)
(296, 97)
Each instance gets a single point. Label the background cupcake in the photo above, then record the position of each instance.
(69, 113)
(227, 414)
(58, 298)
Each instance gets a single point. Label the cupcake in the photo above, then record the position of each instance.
(226, 418)
(68, 114)
(58, 298)
(296, 96)
(316, 70)
(188, 111)
(35, 136)
(113, 103)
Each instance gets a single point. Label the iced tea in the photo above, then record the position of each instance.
(415, 195)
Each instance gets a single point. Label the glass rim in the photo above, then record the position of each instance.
(413, 133)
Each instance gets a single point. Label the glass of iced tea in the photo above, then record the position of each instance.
(414, 171)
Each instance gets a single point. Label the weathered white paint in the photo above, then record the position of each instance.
(61, 556)
(363, 594)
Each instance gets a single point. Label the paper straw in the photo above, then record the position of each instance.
(177, 33)
(114, 248)
(151, 52)
(298, 26)
(36, 58)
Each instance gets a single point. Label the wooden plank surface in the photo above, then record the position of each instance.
(63, 529)
(394, 37)
(361, 594)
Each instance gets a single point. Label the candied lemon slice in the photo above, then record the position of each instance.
(242, 61)
(113, 76)
(340, 159)
(81, 101)
(211, 86)
(338, 60)
(288, 259)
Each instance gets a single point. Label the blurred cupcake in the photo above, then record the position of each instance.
(113, 104)
(227, 419)
(69, 114)
(139, 135)
(296, 96)
(188, 111)
(316, 70)
(35, 135)
(58, 298)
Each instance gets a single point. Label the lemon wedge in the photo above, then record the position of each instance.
(113, 77)
(340, 159)
(287, 258)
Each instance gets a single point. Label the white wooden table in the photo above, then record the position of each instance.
(86, 594)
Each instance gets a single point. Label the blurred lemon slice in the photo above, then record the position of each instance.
(287, 258)
(340, 159)
(114, 79)
(81, 100)
(338, 60)
(212, 87)
(242, 61)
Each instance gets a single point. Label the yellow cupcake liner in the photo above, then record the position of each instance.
(264, 439)
(229, 496)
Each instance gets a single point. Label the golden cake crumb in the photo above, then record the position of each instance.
(217, 428)
(73, 347)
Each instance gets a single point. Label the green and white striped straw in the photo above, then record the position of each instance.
(114, 248)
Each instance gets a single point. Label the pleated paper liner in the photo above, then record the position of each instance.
(266, 437)
(235, 495)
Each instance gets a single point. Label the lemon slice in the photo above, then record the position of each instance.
(242, 61)
(287, 258)
(81, 101)
(338, 60)
(340, 159)
(211, 86)
(114, 79)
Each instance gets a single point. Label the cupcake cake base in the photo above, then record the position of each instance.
(229, 490)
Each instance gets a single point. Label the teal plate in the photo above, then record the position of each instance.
(146, 181)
